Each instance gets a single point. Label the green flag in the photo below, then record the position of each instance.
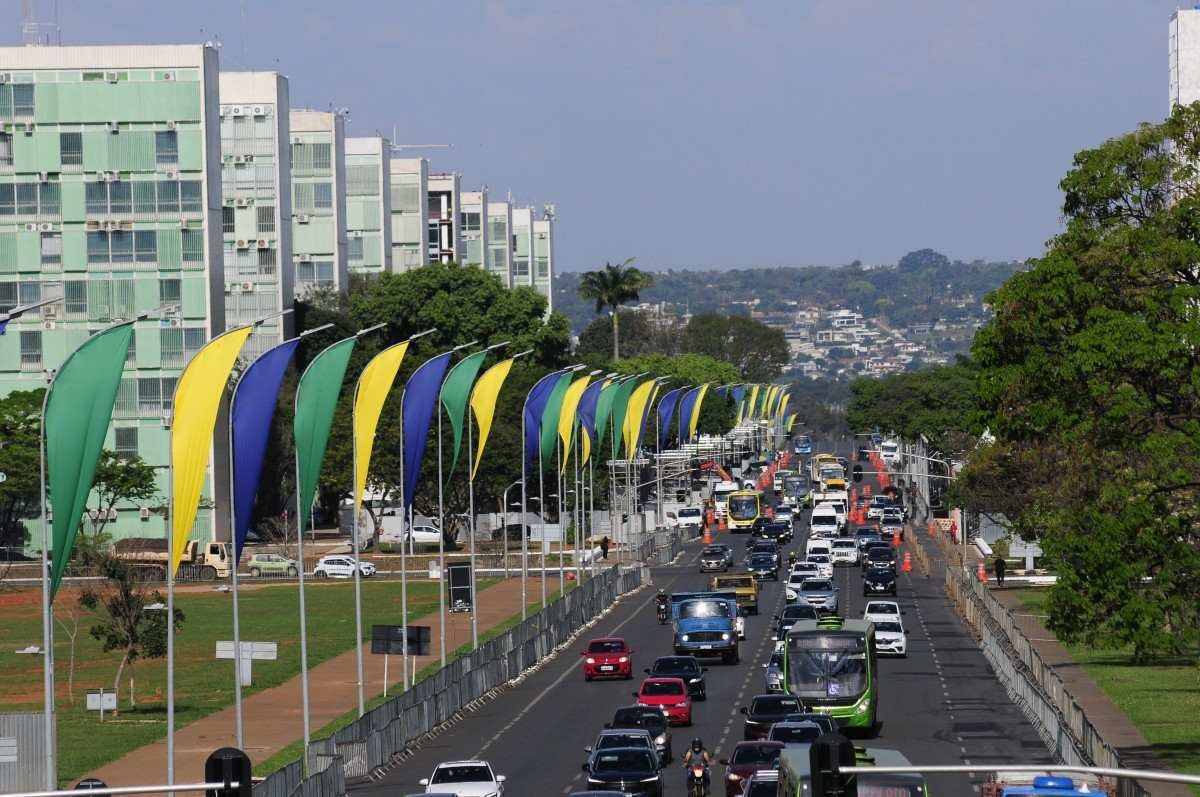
(456, 392)
(316, 402)
(550, 417)
(604, 405)
(76, 419)
(619, 406)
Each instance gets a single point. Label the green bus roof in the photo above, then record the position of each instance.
(830, 624)
(795, 761)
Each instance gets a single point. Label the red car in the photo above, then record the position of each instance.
(748, 758)
(609, 657)
(669, 694)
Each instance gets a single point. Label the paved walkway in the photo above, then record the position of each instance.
(272, 717)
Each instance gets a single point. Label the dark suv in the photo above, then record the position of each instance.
(764, 711)
(879, 582)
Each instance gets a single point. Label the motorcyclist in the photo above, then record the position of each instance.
(662, 601)
(697, 753)
(791, 558)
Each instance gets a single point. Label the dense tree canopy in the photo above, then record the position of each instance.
(611, 287)
(940, 403)
(758, 352)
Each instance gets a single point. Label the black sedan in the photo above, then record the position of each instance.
(631, 770)
(879, 582)
(766, 710)
(685, 667)
(763, 566)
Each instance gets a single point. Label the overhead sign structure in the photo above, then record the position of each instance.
(251, 651)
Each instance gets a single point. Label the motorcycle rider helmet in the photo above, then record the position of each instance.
(697, 745)
(662, 593)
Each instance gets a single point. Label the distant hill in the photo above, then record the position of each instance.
(924, 286)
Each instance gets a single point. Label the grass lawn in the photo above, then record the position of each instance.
(1162, 700)
(203, 684)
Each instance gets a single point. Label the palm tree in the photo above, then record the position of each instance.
(612, 287)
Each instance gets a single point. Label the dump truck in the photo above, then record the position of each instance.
(202, 561)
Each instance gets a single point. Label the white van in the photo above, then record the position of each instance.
(889, 451)
(824, 521)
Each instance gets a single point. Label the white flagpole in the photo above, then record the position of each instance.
(471, 526)
(47, 614)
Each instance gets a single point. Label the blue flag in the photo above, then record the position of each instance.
(420, 399)
(254, 401)
(686, 404)
(666, 408)
(587, 407)
(535, 405)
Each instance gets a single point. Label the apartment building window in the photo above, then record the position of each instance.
(22, 99)
(70, 146)
(29, 292)
(120, 198)
(542, 264)
(168, 197)
(149, 392)
(126, 405)
(166, 148)
(27, 199)
(145, 246)
(8, 199)
(406, 193)
(75, 304)
(497, 228)
(95, 197)
(125, 441)
(31, 349)
(264, 176)
(190, 198)
(193, 246)
(354, 249)
(266, 262)
(471, 221)
(145, 199)
(177, 345)
(51, 248)
(322, 196)
(311, 157)
(265, 215)
(6, 149)
(170, 291)
(318, 273)
(362, 180)
(227, 221)
(8, 296)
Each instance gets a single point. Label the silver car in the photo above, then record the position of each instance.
(774, 668)
(821, 593)
(713, 558)
(625, 737)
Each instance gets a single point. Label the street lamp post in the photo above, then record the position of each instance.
(504, 523)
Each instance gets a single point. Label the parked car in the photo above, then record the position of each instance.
(748, 758)
(690, 517)
(607, 657)
(465, 779)
(418, 534)
(669, 694)
(340, 566)
(272, 564)
(764, 711)
(686, 668)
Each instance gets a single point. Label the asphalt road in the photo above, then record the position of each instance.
(940, 705)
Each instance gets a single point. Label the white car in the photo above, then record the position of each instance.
(844, 552)
(340, 566)
(882, 611)
(783, 513)
(823, 562)
(824, 522)
(804, 569)
(420, 535)
(792, 588)
(890, 639)
(690, 517)
(817, 546)
(464, 779)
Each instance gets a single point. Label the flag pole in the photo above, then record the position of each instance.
(471, 529)
(405, 535)
(442, 581)
(524, 534)
(47, 612)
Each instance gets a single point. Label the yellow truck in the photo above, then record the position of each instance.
(744, 585)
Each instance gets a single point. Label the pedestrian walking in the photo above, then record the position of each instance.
(604, 544)
(998, 566)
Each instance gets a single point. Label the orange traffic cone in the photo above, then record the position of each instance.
(708, 538)
(720, 524)
(895, 539)
(867, 490)
(907, 566)
(932, 529)
(981, 573)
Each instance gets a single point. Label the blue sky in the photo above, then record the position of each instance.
(714, 133)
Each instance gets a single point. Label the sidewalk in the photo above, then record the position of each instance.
(272, 717)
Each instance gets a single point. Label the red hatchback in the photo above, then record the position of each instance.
(609, 657)
(748, 758)
(669, 694)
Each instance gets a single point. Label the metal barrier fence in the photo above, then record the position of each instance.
(1031, 683)
(372, 740)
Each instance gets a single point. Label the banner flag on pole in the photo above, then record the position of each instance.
(666, 410)
(587, 417)
(420, 400)
(620, 408)
(694, 420)
(316, 402)
(646, 413)
(483, 404)
(634, 413)
(790, 422)
(197, 400)
(253, 409)
(551, 414)
(686, 403)
(535, 405)
(568, 415)
(604, 408)
(456, 392)
(78, 410)
(374, 385)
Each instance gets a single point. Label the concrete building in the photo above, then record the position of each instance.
(500, 241)
(110, 197)
(533, 251)
(256, 204)
(445, 226)
(1183, 57)
(368, 205)
(473, 217)
(522, 248)
(319, 200)
(543, 257)
(410, 212)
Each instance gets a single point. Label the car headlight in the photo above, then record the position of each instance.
(660, 739)
(735, 777)
(623, 660)
(725, 636)
(590, 660)
(683, 638)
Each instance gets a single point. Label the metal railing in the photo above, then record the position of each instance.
(1031, 683)
(374, 739)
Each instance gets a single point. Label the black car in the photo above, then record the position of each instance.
(827, 723)
(650, 718)
(879, 582)
(764, 566)
(631, 770)
(767, 547)
(865, 535)
(880, 559)
(766, 710)
(792, 614)
(686, 667)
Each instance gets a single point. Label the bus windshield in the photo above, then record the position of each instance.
(743, 507)
(795, 484)
(827, 667)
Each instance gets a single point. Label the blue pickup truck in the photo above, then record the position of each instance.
(706, 624)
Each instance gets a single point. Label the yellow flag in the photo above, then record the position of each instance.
(566, 418)
(769, 403)
(634, 415)
(790, 421)
(585, 446)
(750, 404)
(694, 421)
(373, 387)
(197, 399)
(483, 403)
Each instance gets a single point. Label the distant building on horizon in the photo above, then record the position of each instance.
(410, 213)
(368, 205)
(1183, 55)
(319, 200)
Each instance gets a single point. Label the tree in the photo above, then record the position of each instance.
(716, 413)
(940, 403)
(643, 335)
(1089, 369)
(127, 624)
(612, 287)
(20, 461)
(758, 352)
(118, 480)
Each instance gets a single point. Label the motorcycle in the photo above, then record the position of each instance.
(698, 781)
(662, 614)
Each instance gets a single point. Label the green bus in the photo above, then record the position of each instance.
(795, 773)
(829, 664)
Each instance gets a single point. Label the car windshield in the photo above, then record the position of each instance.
(827, 665)
(755, 754)
(650, 719)
(657, 688)
(882, 608)
(713, 552)
(879, 553)
(675, 664)
(796, 578)
(743, 507)
(689, 513)
(622, 761)
(610, 740)
(794, 734)
(461, 773)
(704, 609)
(735, 581)
(775, 705)
(847, 545)
(606, 646)
(817, 585)
(824, 518)
(762, 560)
(818, 558)
(889, 627)
(799, 612)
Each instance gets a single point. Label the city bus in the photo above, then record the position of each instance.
(745, 507)
(795, 773)
(829, 664)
